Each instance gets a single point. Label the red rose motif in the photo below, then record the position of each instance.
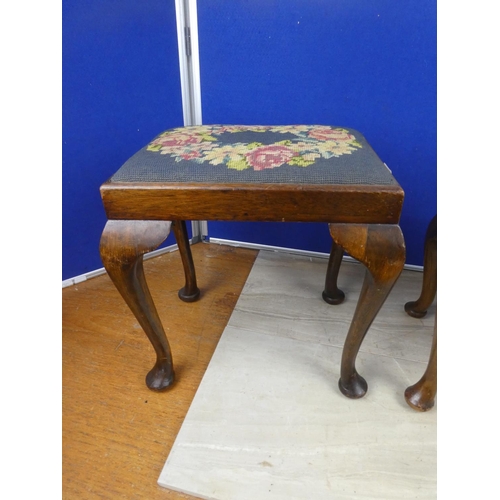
(330, 134)
(269, 156)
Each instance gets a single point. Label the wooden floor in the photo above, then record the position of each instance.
(117, 434)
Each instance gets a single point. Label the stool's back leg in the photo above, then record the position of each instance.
(381, 249)
(123, 244)
(418, 308)
(190, 292)
(421, 395)
(332, 294)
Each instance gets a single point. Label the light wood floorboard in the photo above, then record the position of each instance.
(117, 433)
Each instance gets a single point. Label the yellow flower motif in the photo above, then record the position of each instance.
(311, 156)
(223, 154)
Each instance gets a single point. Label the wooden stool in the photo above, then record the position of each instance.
(421, 395)
(254, 173)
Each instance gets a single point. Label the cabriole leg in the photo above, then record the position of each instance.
(421, 395)
(381, 249)
(418, 308)
(190, 292)
(123, 244)
(332, 294)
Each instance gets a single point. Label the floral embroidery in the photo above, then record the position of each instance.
(201, 144)
(269, 156)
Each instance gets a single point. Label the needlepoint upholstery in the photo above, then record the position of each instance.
(235, 154)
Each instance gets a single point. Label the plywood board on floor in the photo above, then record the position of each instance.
(268, 420)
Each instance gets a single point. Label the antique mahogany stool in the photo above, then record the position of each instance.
(298, 173)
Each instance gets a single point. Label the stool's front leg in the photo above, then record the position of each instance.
(381, 249)
(123, 244)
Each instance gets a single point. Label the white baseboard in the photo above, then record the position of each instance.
(233, 243)
(99, 272)
(305, 253)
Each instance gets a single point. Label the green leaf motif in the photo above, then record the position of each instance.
(238, 165)
(154, 147)
(209, 138)
(300, 162)
(254, 145)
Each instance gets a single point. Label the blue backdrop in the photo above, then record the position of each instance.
(369, 65)
(121, 87)
(365, 64)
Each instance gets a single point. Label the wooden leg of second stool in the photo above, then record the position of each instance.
(418, 308)
(123, 244)
(381, 249)
(190, 292)
(421, 395)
